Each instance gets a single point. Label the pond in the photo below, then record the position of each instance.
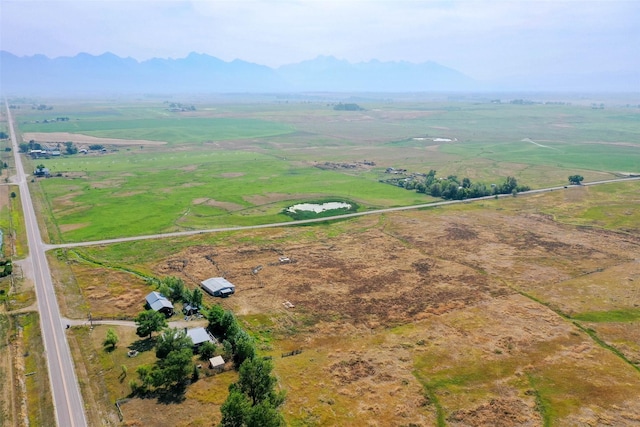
(318, 207)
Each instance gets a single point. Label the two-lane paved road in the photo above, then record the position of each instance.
(67, 400)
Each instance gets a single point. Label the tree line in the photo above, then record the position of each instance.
(70, 147)
(452, 188)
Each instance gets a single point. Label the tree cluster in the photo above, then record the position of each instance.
(174, 289)
(32, 145)
(173, 367)
(177, 106)
(347, 107)
(253, 401)
(7, 267)
(452, 188)
(70, 148)
(4, 135)
(236, 342)
(576, 179)
(150, 321)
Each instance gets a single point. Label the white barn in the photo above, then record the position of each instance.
(218, 287)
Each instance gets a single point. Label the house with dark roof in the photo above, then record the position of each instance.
(218, 287)
(190, 310)
(158, 302)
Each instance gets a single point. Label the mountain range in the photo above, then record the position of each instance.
(201, 73)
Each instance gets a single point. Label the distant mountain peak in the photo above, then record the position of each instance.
(201, 72)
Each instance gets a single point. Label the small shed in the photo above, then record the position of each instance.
(218, 287)
(158, 302)
(199, 336)
(190, 310)
(216, 363)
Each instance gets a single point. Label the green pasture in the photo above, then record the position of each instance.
(614, 206)
(173, 130)
(590, 156)
(127, 194)
(630, 315)
(188, 185)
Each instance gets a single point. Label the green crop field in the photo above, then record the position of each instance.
(176, 130)
(240, 164)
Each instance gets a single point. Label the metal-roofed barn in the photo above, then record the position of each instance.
(159, 302)
(199, 336)
(218, 287)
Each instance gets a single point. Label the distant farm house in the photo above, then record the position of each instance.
(158, 302)
(42, 172)
(218, 287)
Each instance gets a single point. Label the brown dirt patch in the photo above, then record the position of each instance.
(348, 371)
(83, 139)
(501, 412)
(232, 174)
(112, 294)
(4, 196)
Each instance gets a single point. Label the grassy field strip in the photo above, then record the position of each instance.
(8, 399)
(630, 316)
(172, 130)
(262, 158)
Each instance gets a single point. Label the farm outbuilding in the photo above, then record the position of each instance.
(158, 302)
(190, 310)
(199, 336)
(218, 287)
(216, 363)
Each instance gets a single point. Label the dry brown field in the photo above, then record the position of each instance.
(459, 316)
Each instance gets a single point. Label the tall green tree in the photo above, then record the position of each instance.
(111, 339)
(207, 350)
(150, 321)
(256, 380)
(243, 347)
(235, 409)
(264, 414)
(196, 298)
(172, 287)
(170, 340)
(174, 370)
(214, 315)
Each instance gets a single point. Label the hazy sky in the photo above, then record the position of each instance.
(482, 38)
